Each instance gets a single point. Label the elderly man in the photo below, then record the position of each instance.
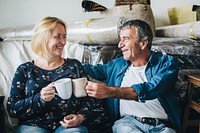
(140, 89)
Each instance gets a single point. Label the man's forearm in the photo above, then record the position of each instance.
(122, 93)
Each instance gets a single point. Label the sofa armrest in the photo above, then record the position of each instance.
(2, 119)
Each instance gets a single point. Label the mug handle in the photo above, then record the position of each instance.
(55, 90)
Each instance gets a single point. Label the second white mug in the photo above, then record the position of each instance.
(79, 87)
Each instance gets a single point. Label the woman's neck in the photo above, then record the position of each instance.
(48, 64)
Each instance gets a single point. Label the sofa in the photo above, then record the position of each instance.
(14, 51)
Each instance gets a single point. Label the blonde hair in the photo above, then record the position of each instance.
(41, 34)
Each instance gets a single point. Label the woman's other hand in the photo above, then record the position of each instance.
(72, 120)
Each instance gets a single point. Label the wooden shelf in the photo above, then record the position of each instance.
(195, 106)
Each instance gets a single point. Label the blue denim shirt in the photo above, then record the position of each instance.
(161, 73)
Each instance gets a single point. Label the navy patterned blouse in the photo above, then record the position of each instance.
(25, 103)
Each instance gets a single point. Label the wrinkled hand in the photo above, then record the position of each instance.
(47, 93)
(97, 90)
(72, 120)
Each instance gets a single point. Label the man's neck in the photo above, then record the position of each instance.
(142, 60)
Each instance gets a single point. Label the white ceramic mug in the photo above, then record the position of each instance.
(79, 87)
(63, 88)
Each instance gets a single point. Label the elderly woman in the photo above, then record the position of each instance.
(32, 98)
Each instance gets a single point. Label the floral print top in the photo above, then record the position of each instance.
(25, 103)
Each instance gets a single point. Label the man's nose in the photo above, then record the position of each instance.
(120, 44)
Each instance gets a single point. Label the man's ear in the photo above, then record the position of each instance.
(144, 43)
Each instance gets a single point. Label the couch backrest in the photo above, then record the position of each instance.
(12, 53)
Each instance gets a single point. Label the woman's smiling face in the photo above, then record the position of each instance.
(57, 40)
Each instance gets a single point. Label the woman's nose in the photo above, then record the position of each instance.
(63, 40)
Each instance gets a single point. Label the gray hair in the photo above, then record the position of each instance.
(143, 30)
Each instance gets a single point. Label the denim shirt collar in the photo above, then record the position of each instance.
(127, 64)
(150, 62)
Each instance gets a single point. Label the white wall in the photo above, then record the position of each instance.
(25, 12)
